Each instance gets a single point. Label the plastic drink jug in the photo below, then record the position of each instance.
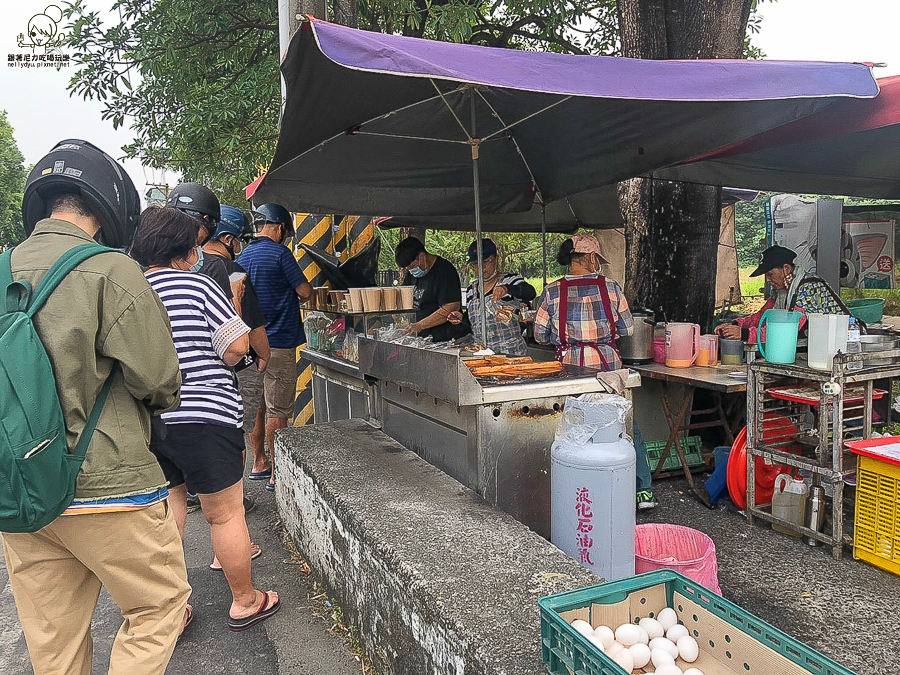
(789, 502)
(682, 344)
(781, 327)
(827, 336)
(709, 350)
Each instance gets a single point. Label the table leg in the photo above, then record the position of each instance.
(729, 436)
(675, 425)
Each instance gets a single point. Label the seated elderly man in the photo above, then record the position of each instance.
(795, 289)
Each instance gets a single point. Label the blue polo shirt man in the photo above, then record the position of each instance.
(280, 286)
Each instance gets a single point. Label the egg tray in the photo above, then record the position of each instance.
(732, 641)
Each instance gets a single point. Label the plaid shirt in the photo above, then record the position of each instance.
(586, 322)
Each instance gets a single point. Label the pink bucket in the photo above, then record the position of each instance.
(659, 350)
(678, 548)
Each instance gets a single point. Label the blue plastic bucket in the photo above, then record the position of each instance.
(781, 328)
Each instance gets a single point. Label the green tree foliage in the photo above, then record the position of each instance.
(750, 230)
(198, 82)
(12, 186)
(518, 252)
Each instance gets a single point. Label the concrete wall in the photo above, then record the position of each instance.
(435, 580)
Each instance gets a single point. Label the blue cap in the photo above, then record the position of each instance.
(488, 248)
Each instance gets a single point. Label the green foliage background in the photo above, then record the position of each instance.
(12, 186)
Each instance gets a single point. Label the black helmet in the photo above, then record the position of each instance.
(276, 213)
(193, 197)
(78, 167)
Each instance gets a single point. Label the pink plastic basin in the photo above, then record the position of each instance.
(678, 548)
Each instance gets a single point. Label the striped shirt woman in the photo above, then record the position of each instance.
(204, 323)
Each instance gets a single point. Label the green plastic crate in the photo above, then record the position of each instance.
(731, 639)
(691, 445)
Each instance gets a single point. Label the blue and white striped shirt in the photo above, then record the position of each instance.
(204, 323)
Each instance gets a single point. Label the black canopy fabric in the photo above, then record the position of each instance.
(596, 209)
(849, 149)
(380, 124)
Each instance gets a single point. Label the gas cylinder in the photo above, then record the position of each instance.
(592, 485)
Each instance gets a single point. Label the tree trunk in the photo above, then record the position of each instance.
(417, 232)
(672, 229)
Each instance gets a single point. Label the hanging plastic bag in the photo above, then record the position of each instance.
(587, 414)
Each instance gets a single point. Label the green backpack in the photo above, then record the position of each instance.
(37, 471)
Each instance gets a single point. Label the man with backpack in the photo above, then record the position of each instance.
(90, 362)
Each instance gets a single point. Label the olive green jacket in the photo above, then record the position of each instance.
(104, 312)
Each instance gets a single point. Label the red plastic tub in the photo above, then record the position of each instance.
(687, 551)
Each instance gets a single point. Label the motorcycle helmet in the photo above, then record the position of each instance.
(276, 213)
(231, 221)
(78, 167)
(194, 199)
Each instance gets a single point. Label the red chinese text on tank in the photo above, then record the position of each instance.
(585, 525)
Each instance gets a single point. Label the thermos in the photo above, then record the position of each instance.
(815, 512)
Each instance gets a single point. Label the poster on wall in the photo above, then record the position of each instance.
(867, 246)
(868, 260)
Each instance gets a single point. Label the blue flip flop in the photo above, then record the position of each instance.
(260, 475)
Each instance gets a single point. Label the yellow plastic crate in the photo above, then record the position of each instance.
(876, 538)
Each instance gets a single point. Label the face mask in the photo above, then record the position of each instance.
(197, 265)
(417, 272)
(235, 244)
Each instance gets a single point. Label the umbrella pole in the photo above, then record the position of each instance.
(478, 247)
(544, 240)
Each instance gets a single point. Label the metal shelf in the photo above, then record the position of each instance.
(819, 430)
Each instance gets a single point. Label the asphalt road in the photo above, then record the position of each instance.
(296, 641)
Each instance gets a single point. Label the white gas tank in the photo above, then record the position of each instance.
(592, 485)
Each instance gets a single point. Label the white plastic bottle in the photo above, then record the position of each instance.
(854, 344)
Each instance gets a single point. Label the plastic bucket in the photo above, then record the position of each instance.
(687, 551)
(868, 310)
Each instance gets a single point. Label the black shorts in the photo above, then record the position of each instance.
(206, 457)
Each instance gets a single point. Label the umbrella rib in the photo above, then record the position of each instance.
(507, 127)
(513, 139)
(452, 112)
(410, 138)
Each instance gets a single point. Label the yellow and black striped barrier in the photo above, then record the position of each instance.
(332, 234)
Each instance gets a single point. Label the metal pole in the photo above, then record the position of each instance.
(478, 247)
(544, 240)
(290, 14)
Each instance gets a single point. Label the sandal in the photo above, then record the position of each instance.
(264, 612)
(260, 475)
(253, 556)
(188, 620)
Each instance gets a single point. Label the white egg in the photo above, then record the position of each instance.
(653, 627)
(628, 634)
(624, 659)
(693, 671)
(665, 644)
(688, 649)
(583, 627)
(605, 635)
(641, 654)
(667, 618)
(645, 636)
(661, 657)
(676, 631)
(596, 642)
(668, 669)
(614, 649)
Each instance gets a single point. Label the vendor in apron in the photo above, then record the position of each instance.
(582, 314)
(594, 308)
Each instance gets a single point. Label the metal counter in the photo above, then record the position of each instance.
(491, 434)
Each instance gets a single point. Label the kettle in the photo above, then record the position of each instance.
(638, 347)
